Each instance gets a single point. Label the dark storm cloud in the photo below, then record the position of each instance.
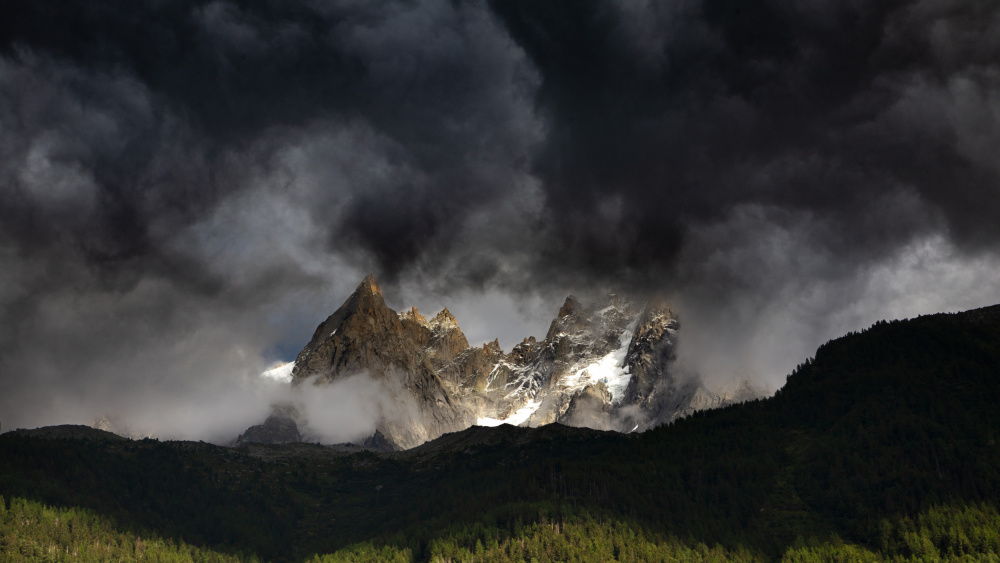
(237, 67)
(656, 116)
(432, 78)
(676, 113)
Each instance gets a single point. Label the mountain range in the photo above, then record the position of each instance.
(606, 366)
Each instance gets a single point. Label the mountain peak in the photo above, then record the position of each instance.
(414, 315)
(362, 316)
(570, 306)
(367, 298)
(444, 320)
(369, 286)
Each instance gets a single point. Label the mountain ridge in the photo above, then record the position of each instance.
(605, 366)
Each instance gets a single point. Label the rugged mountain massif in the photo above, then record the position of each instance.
(606, 366)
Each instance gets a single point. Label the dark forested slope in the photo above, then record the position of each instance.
(884, 445)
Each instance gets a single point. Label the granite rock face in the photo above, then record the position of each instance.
(607, 366)
(405, 352)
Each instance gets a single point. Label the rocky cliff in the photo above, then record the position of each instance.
(405, 351)
(606, 366)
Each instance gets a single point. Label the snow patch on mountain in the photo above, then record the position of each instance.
(609, 369)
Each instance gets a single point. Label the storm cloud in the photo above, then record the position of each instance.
(187, 188)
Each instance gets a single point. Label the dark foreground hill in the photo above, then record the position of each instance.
(883, 446)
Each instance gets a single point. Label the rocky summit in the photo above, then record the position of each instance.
(606, 366)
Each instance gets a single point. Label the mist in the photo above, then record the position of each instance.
(782, 297)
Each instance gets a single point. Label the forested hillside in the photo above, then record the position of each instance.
(883, 446)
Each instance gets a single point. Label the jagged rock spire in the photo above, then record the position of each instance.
(414, 315)
(570, 306)
(444, 320)
(369, 286)
(363, 314)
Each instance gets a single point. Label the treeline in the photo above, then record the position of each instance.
(939, 534)
(32, 531)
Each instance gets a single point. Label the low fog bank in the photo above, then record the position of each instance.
(349, 408)
(222, 406)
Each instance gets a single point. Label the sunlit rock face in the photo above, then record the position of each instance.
(606, 366)
(405, 351)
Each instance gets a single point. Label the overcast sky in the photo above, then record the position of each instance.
(188, 188)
